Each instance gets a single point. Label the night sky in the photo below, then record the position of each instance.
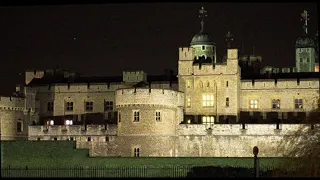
(105, 39)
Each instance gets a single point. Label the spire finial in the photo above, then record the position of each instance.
(305, 18)
(202, 15)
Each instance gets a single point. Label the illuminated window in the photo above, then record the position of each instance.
(158, 116)
(275, 103)
(69, 122)
(188, 84)
(207, 120)
(69, 106)
(89, 106)
(50, 122)
(50, 106)
(19, 126)
(227, 102)
(207, 100)
(254, 104)
(136, 116)
(136, 152)
(298, 103)
(188, 102)
(119, 117)
(108, 105)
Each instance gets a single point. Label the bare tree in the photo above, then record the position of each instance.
(302, 149)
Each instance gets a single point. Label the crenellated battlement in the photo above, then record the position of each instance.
(13, 103)
(280, 84)
(186, 53)
(149, 96)
(134, 76)
(237, 129)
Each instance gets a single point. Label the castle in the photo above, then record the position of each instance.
(207, 110)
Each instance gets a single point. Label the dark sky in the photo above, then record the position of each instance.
(105, 39)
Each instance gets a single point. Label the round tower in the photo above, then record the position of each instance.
(305, 48)
(148, 120)
(13, 125)
(202, 43)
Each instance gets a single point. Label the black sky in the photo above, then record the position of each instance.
(105, 39)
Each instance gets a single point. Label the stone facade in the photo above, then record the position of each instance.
(14, 118)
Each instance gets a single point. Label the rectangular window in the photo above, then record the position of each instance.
(50, 106)
(19, 126)
(158, 116)
(298, 103)
(188, 102)
(308, 59)
(136, 116)
(50, 122)
(119, 117)
(68, 122)
(89, 106)
(301, 60)
(227, 102)
(207, 120)
(136, 152)
(254, 104)
(89, 138)
(69, 106)
(207, 100)
(227, 84)
(107, 138)
(108, 105)
(275, 103)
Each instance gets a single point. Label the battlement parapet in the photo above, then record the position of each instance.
(73, 130)
(149, 96)
(186, 53)
(134, 76)
(239, 129)
(280, 83)
(16, 103)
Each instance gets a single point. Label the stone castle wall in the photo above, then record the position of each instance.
(12, 111)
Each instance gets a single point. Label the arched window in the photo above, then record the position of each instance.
(207, 84)
(200, 84)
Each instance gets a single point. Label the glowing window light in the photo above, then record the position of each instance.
(207, 100)
(254, 104)
(69, 122)
(51, 122)
(207, 120)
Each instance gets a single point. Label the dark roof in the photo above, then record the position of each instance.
(110, 79)
(304, 42)
(201, 39)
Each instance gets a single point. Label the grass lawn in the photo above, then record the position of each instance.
(62, 154)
